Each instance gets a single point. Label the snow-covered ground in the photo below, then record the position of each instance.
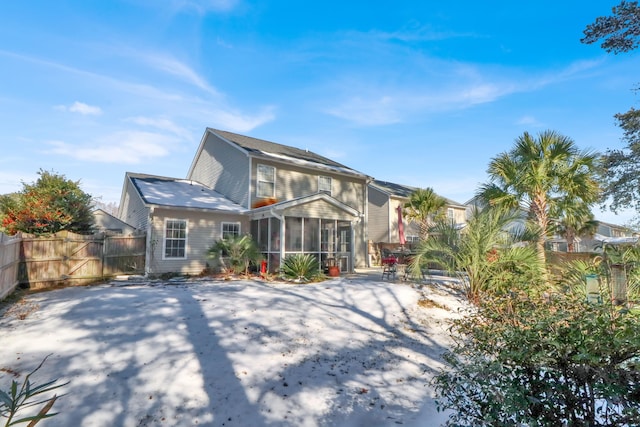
(351, 351)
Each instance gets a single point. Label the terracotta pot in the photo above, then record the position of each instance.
(334, 271)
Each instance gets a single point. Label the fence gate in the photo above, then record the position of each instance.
(68, 258)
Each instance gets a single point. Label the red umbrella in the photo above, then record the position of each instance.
(401, 227)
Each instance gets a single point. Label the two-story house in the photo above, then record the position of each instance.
(383, 219)
(290, 200)
(604, 234)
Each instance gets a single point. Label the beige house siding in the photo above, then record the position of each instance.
(359, 244)
(378, 222)
(383, 217)
(292, 182)
(132, 209)
(203, 229)
(459, 214)
(318, 209)
(104, 222)
(222, 167)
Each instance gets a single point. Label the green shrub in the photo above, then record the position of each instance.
(25, 396)
(236, 254)
(545, 361)
(304, 268)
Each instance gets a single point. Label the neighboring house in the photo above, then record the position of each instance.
(606, 233)
(104, 222)
(384, 199)
(290, 200)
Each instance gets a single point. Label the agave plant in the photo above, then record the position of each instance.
(301, 267)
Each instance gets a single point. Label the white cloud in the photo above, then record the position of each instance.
(238, 122)
(367, 102)
(80, 108)
(162, 124)
(368, 112)
(127, 147)
(174, 67)
(11, 181)
(201, 7)
(529, 121)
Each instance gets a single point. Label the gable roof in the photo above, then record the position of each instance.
(279, 152)
(181, 193)
(404, 191)
(105, 221)
(307, 199)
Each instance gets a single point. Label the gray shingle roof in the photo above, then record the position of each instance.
(181, 193)
(261, 147)
(394, 189)
(399, 190)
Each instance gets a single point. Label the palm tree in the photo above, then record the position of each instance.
(487, 255)
(239, 251)
(574, 220)
(424, 207)
(540, 175)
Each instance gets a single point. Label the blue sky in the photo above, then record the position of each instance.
(418, 93)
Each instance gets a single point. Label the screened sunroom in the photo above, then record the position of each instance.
(294, 227)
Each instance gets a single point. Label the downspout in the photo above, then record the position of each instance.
(150, 247)
(352, 261)
(365, 223)
(249, 181)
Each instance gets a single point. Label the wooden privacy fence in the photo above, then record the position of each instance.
(9, 261)
(68, 258)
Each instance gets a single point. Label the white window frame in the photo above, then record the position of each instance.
(325, 179)
(165, 238)
(226, 223)
(260, 169)
(451, 214)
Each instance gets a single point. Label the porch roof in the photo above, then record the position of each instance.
(282, 206)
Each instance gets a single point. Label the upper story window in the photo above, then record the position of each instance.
(324, 184)
(230, 229)
(266, 181)
(175, 238)
(451, 215)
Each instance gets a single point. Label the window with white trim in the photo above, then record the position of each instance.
(175, 238)
(324, 184)
(230, 229)
(451, 215)
(266, 181)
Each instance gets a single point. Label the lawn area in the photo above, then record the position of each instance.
(351, 351)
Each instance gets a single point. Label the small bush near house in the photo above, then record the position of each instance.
(543, 361)
(303, 268)
(236, 254)
(27, 395)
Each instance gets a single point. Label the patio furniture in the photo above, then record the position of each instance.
(389, 267)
